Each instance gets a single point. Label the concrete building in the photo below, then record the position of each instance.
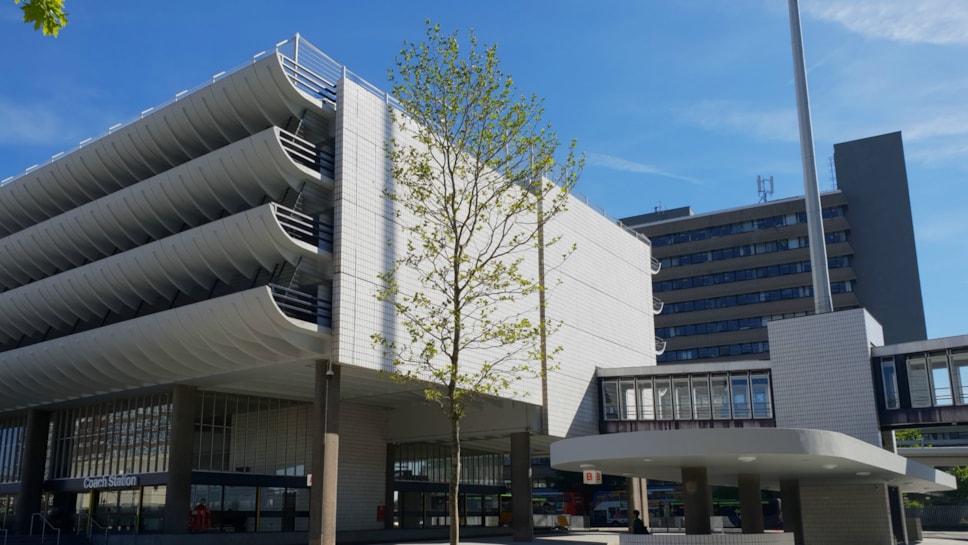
(726, 274)
(188, 303)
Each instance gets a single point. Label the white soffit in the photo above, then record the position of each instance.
(810, 456)
(236, 246)
(233, 178)
(229, 109)
(236, 332)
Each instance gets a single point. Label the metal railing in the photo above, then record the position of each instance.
(303, 306)
(305, 228)
(88, 528)
(43, 527)
(301, 151)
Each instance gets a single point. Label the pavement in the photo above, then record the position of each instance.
(606, 537)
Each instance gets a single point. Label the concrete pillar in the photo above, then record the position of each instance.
(178, 492)
(522, 523)
(792, 519)
(638, 499)
(894, 498)
(322, 518)
(391, 478)
(32, 469)
(751, 503)
(697, 500)
(898, 519)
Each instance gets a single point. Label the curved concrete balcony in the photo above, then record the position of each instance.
(233, 178)
(656, 266)
(237, 246)
(243, 331)
(660, 346)
(230, 108)
(657, 305)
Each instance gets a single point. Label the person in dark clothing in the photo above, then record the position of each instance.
(638, 527)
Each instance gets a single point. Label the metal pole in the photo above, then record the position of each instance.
(822, 300)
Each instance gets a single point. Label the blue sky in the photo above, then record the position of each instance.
(674, 103)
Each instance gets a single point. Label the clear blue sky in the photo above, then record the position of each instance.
(674, 103)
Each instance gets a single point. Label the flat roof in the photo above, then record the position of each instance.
(775, 454)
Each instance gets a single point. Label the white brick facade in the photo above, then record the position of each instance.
(603, 301)
(822, 373)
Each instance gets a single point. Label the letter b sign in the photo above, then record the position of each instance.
(592, 476)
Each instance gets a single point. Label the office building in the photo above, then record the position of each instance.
(188, 302)
(726, 274)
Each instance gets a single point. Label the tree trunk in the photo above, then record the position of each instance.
(454, 479)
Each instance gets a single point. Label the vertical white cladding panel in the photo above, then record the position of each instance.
(822, 373)
(604, 299)
(604, 305)
(362, 466)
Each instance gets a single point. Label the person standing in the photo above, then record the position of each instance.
(638, 527)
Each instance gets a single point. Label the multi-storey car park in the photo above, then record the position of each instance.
(186, 308)
(181, 294)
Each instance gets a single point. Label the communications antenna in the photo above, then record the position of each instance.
(833, 173)
(764, 186)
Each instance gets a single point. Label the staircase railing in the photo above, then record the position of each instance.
(43, 527)
(92, 523)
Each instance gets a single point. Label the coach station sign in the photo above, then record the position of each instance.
(110, 481)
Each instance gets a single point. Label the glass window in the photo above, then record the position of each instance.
(272, 506)
(646, 401)
(610, 399)
(918, 381)
(153, 509)
(683, 398)
(762, 403)
(240, 509)
(663, 399)
(719, 389)
(739, 384)
(627, 393)
(700, 397)
(959, 368)
(940, 379)
(889, 376)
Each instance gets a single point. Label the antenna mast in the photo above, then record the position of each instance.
(764, 186)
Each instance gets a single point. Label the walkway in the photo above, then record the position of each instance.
(606, 537)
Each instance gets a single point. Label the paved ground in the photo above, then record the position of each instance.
(611, 538)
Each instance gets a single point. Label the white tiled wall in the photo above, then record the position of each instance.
(604, 301)
(822, 373)
(845, 514)
(362, 466)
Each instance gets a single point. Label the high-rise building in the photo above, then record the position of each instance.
(726, 274)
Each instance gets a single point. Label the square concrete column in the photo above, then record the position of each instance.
(326, 406)
(697, 500)
(751, 503)
(32, 469)
(638, 499)
(522, 523)
(178, 492)
(792, 519)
